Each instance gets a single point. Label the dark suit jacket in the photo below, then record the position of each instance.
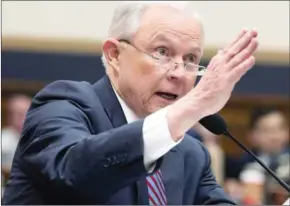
(76, 148)
(194, 134)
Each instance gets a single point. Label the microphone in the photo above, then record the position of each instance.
(216, 124)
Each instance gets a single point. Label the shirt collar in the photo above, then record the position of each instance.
(128, 112)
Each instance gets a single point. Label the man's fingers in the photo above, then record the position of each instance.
(236, 73)
(222, 52)
(241, 34)
(240, 45)
(243, 55)
(244, 47)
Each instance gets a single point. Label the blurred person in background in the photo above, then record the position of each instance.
(270, 137)
(212, 143)
(17, 107)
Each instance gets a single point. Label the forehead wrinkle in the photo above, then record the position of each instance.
(161, 35)
(169, 27)
(170, 19)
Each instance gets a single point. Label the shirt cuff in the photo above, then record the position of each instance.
(157, 138)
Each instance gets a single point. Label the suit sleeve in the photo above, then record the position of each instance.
(210, 193)
(59, 153)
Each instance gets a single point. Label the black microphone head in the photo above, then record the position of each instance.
(214, 123)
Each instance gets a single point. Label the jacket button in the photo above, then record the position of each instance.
(107, 162)
(113, 160)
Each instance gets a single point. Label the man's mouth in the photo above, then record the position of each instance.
(168, 96)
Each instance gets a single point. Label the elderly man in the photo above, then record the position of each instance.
(122, 140)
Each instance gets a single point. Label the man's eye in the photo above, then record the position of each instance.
(162, 51)
(191, 59)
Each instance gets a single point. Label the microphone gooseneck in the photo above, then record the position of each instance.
(216, 124)
(281, 182)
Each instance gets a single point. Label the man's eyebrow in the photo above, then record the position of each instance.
(162, 37)
(195, 49)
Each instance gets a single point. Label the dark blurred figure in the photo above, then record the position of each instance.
(17, 106)
(269, 136)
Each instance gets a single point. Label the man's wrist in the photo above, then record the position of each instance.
(181, 117)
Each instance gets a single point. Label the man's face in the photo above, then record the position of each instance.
(142, 82)
(271, 132)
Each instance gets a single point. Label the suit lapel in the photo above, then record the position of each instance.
(172, 170)
(110, 102)
(114, 111)
(142, 192)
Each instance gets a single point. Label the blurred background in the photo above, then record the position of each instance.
(45, 41)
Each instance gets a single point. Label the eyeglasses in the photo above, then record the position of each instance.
(165, 61)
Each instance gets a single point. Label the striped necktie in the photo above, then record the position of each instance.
(156, 190)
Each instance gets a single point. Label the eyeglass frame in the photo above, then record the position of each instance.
(169, 59)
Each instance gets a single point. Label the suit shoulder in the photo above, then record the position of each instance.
(80, 94)
(64, 97)
(64, 100)
(193, 147)
(194, 134)
(189, 142)
(65, 89)
(194, 152)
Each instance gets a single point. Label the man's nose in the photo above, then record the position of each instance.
(177, 71)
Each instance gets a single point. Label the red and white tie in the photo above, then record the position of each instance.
(156, 190)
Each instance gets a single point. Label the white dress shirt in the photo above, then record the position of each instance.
(156, 136)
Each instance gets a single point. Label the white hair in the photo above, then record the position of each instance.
(126, 18)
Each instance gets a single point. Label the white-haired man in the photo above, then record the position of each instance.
(122, 140)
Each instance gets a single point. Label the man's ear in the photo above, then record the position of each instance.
(111, 52)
